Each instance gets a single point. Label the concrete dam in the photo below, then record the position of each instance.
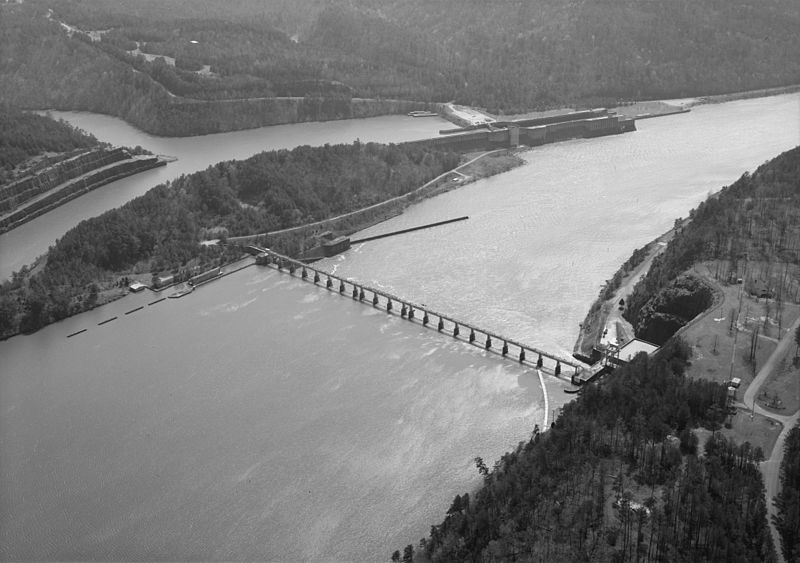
(530, 132)
(553, 363)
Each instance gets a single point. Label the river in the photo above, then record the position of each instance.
(22, 245)
(541, 239)
(263, 418)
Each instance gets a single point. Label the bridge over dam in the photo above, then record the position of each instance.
(555, 364)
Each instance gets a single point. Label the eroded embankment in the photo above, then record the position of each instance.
(33, 196)
(604, 321)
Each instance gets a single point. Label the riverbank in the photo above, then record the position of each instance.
(190, 117)
(745, 95)
(647, 109)
(506, 268)
(77, 181)
(302, 238)
(604, 323)
(744, 340)
(95, 282)
(634, 110)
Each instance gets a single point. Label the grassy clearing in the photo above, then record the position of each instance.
(721, 352)
(781, 392)
(713, 336)
(759, 430)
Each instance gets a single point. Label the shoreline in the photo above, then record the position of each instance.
(604, 310)
(76, 187)
(677, 105)
(394, 207)
(449, 185)
(662, 107)
(734, 96)
(383, 211)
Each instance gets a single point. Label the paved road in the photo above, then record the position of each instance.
(769, 366)
(618, 330)
(770, 468)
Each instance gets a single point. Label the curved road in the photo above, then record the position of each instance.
(770, 468)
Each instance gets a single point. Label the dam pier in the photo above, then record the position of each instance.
(552, 363)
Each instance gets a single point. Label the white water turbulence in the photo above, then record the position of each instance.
(262, 418)
(259, 418)
(542, 238)
(22, 245)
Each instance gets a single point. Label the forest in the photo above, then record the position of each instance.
(617, 478)
(755, 219)
(788, 501)
(508, 57)
(26, 135)
(161, 231)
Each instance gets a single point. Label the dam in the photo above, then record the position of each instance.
(530, 132)
(259, 387)
(552, 363)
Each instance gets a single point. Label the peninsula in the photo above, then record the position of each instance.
(160, 234)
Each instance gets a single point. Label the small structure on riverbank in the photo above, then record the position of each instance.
(136, 287)
(163, 281)
(612, 357)
(205, 276)
(631, 349)
(333, 246)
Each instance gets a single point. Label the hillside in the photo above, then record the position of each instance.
(234, 76)
(45, 163)
(28, 140)
(161, 231)
(751, 229)
(518, 54)
(178, 67)
(619, 477)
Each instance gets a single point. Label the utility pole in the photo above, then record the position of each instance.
(733, 352)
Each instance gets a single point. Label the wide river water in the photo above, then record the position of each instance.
(263, 418)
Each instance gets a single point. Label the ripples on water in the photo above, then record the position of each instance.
(261, 418)
(257, 418)
(542, 238)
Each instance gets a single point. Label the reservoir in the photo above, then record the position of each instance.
(263, 418)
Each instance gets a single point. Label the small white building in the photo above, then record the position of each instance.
(136, 287)
(633, 347)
